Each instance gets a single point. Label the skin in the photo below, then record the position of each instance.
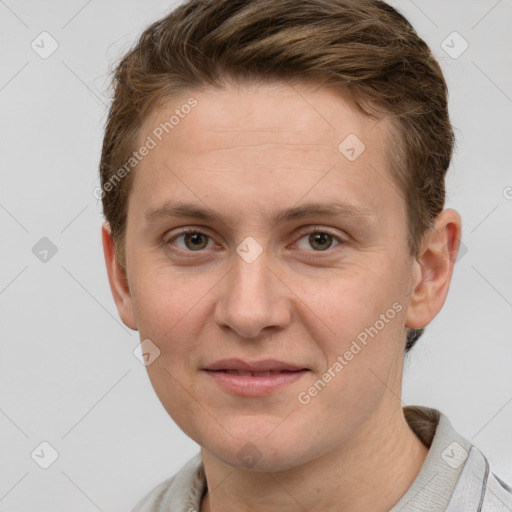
(248, 152)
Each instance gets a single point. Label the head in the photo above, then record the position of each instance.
(248, 110)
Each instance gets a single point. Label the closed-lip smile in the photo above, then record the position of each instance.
(254, 378)
(264, 365)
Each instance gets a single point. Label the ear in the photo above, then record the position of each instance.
(434, 269)
(118, 280)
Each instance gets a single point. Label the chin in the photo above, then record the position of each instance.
(256, 447)
(249, 456)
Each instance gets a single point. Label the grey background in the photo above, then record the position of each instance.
(68, 375)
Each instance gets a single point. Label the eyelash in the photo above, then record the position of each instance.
(302, 235)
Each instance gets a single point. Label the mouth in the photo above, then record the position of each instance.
(254, 383)
(256, 374)
(263, 366)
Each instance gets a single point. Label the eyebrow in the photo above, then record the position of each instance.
(190, 210)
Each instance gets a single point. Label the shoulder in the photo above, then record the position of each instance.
(479, 488)
(154, 500)
(180, 492)
(497, 496)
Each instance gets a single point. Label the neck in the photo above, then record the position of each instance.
(373, 473)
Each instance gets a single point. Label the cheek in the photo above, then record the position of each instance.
(180, 400)
(365, 315)
(361, 368)
(352, 302)
(165, 302)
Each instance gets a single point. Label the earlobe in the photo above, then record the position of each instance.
(434, 267)
(118, 280)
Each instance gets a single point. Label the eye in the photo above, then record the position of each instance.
(193, 240)
(319, 239)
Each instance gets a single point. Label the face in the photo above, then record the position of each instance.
(323, 287)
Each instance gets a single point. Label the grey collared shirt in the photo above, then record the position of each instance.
(455, 476)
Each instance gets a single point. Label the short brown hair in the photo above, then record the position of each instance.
(365, 47)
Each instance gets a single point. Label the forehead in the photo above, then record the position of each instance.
(304, 115)
(260, 141)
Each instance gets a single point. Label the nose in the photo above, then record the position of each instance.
(252, 298)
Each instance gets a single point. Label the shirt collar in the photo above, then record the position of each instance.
(431, 490)
(433, 487)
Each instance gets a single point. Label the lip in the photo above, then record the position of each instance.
(263, 365)
(284, 373)
(255, 385)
